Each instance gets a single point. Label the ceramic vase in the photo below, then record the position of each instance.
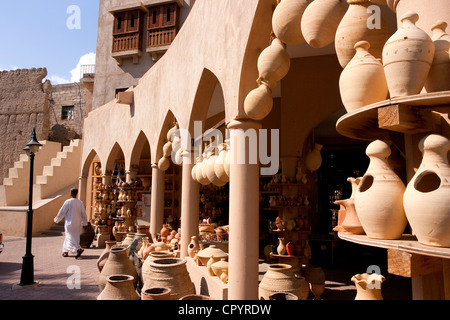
(362, 82)
(290, 248)
(313, 160)
(117, 263)
(281, 248)
(321, 20)
(279, 278)
(274, 63)
(87, 236)
(350, 223)
(285, 21)
(105, 254)
(119, 287)
(426, 199)
(193, 247)
(368, 286)
(439, 75)
(379, 197)
(354, 27)
(156, 294)
(407, 58)
(168, 273)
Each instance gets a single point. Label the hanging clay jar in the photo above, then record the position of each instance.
(117, 263)
(259, 102)
(362, 82)
(321, 20)
(427, 196)
(274, 63)
(279, 278)
(219, 165)
(164, 164)
(368, 286)
(281, 249)
(194, 169)
(407, 57)
(379, 197)
(351, 223)
(171, 132)
(167, 149)
(313, 160)
(210, 171)
(119, 287)
(439, 75)
(199, 173)
(354, 27)
(285, 21)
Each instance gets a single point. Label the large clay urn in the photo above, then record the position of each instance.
(354, 27)
(379, 197)
(168, 273)
(274, 63)
(321, 20)
(280, 278)
(119, 287)
(407, 58)
(368, 286)
(117, 263)
(362, 82)
(439, 75)
(285, 21)
(105, 254)
(427, 196)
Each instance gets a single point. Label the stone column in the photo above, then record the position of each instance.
(244, 211)
(82, 189)
(157, 206)
(190, 199)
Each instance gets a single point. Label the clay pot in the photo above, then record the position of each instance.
(379, 197)
(220, 267)
(279, 278)
(164, 164)
(321, 20)
(119, 287)
(285, 21)
(354, 182)
(167, 149)
(105, 254)
(313, 160)
(439, 75)
(362, 82)
(203, 180)
(172, 131)
(290, 248)
(274, 63)
(281, 248)
(128, 239)
(354, 27)
(168, 273)
(210, 171)
(407, 57)
(205, 254)
(193, 247)
(165, 231)
(351, 223)
(426, 199)
(315, 274)
(156, 294)
(219, 165)
(87, 236)
(368, 286)
(117, 263)
(259, 102)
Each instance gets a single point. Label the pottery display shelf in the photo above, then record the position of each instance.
(401, 120)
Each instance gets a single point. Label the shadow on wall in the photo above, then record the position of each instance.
(62, 134)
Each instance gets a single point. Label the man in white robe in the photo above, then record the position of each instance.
(74, 213)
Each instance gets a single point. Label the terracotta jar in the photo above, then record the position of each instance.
(313, 160)
(321, 20)
(379, 197)
(105, 254)
(315, 277)
(210, 171)
(164, 164)
(285, 21)
(167, 149)
(259, 102)
(168, 273)
(128, 239)
(205, 254)
(199, 172)
(165, 231)
(354, 27)
(426, 199)
(156, 294)
(368, 286)
(220, 267)
(407, 57)
(117, 263)
(362, 82)
(119, 287)
(274, 63)
(279, 278)
(439, 75)
(219, 165)
(350, 223)
(193, 247)
(290, 248)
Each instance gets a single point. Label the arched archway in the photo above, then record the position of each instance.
(115, 165)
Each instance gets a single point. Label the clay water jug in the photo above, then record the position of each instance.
(354, 27)
(279, 278)
(439, 75)
(285, 21)
(321, 20)
(407, 58)
(362, 82)
(117, 263)
(379, 197)
(427, 196)
(351, 221)
(368, 286)
(313, 160)
(274, 63)
(105, 254)
(119, 287)
(281, 249)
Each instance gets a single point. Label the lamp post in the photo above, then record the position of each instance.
(27, 277)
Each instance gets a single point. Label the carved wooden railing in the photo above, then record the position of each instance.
(161, 37)
(126, 42)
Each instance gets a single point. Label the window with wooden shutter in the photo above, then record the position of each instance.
(162, 25)
(127, 33)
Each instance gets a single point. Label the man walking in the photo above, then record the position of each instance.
(75, 216)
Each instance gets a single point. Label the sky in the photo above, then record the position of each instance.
(59, 35)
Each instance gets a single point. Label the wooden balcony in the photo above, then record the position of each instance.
(159, 40)
(127, 45)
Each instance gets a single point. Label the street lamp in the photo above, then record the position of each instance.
(27, 277)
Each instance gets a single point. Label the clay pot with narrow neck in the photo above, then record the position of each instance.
(281, 249)
(285, 21)
(117, 263)
(379, 197)
(156, 294)
(119, 287)
(105, 254)
(426, 199)
(439, 75)
(274, 63)
(368, 286)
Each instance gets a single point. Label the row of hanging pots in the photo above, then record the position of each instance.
(381, 206)
(212, 168)
(173, 145)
